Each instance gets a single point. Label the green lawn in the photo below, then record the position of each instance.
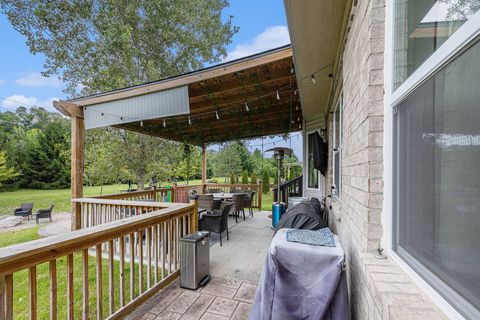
(9, 200)
(20, 281)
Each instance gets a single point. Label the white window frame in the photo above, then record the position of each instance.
(454, 45)
(337, 191)
(308, 167)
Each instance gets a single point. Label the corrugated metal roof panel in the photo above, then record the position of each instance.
(149, 106)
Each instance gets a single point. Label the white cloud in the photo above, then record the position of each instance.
(17, 100)
(272, 37)
(35, 79)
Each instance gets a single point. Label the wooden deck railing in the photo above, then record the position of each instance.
(291, 188)
(155, 194)
(143, 249)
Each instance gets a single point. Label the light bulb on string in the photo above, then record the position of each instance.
(141, 123)
(295, 92)
(296, 108)
(313, 78)
(246, 107)
(164, 123)
(216, 115)
(278, 95)
(189, 120)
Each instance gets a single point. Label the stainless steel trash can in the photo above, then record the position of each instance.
(194, 260)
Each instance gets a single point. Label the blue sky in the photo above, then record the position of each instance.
(262, 27)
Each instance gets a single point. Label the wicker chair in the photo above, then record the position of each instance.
(239, 205)
(206, 203)
(217, 221)
(249, 201)
(44, 214)
(214, 190)
(24, 211)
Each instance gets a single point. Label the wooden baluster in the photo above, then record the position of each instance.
(155, 254)
(175, 241)
(148, 246)
(53, 289)
(140, 261)
(170, 246)
(132, 266)
(99, 281)
(32, 291)
(122, 271)
(111, 279)
(9, 297)
(70, 300)
(164, 238)
(85, 284)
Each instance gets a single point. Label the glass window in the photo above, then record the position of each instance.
(312, 172)
(337, 147)
(421, 27)
(437, 181)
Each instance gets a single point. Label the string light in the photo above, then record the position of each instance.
(278, 95)
(296, 108)
(141, 123)
(295, 92)
(164, 123)
(216, 115)
(313, 78)
(246, 107)
(189, 120)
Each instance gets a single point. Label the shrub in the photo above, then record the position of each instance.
(245, 177)
(254, 178)
(233, 178)
(265, 182)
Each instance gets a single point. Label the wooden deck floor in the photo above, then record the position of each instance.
(235, 269)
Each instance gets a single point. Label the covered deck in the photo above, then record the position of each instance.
(123, 251)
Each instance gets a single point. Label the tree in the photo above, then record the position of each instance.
(6, 173)
(47, 159)
(265, 182)
(105, 45)
(245, 177)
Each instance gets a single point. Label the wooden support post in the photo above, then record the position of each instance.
(260, 191)
(194, 217)
(77, 149)
(204, 168)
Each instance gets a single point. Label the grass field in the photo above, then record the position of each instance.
(9, 200)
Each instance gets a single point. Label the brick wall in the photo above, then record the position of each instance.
(378, 289)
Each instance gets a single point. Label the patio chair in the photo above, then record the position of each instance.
(24, 211)
(214, 190)
(239, 205)
(217, 221)
(44, 214)
(236, 190)
(249, 201)
(206, 203)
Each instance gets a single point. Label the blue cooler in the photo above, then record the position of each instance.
(278, 209)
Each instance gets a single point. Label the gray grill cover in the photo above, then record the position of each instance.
(305, 215)
(301, 281)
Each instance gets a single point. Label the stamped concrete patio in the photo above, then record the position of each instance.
(235, 269)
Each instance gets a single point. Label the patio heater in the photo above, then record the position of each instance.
(278, 208)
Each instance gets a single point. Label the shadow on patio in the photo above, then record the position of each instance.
(235, 269)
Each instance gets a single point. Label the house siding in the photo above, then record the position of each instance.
(378, 288)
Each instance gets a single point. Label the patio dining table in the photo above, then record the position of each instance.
(225, 196)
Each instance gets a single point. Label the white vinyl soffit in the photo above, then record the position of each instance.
(159, 104)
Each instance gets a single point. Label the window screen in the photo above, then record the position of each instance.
(437, 181)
